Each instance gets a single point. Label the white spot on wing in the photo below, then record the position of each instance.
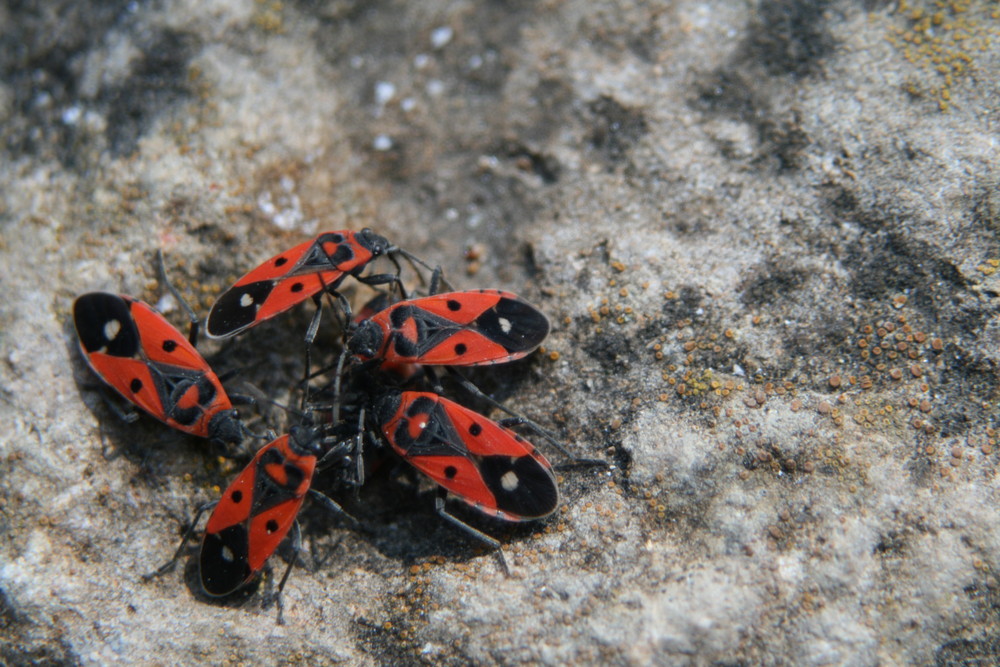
(227, 554)
(504, 324)
(111, 329)
(509, 481)
(246, 300)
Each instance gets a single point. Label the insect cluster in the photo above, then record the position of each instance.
(384, 392)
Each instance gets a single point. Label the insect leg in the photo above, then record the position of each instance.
(195, 322)
(384, 279)
(169, 565)
(439, 507)
(414, 260)
(126, 415)
(436, 278)
(296, 548)
(331, 505)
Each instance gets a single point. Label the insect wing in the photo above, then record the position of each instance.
(162, 343)
(462, 329)
(488, 466)
(286, 280)
(254, 515)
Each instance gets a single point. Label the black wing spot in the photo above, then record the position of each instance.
(224, 560)
(135, 385)
(272, 526)
(297, 287)
(281, 261)
(516, 325)
(237, 309)
(454, 305)
(169, 345)
(461, 349)
(92, 314)
(521, 485)
(237, 496)
(450, 472)
(475, 429)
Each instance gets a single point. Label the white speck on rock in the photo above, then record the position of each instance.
(441, 36)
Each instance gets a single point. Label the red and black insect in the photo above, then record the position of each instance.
(259, 508)
(151, 364)
(470, 328)
(291, 277)
(483, 463)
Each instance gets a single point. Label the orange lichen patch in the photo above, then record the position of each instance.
(989, 267)
(944, 37)
(268, 16)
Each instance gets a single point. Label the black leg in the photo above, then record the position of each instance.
(169, 565)
(193, 331)
(229, 375)
(384, 279)
(347, 314)
(414, 261)
(331, 505)
(336, 385)
(439, 507)
(243, 399)
(126, 415)
(296, 548)
(436, 278)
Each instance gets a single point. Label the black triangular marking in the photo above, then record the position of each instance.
(438, 438)
(267, 493)
(432, 330)
(315, 258)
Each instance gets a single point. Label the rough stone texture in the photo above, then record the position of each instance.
(725, 208)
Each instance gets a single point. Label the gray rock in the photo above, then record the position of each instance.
(725, 210)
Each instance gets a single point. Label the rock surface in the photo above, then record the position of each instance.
(767, 235)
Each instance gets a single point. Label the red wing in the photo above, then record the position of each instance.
(294, 290)
(461, 307)
(132, 379)
(269, 528)
(460, 475)
(122, 327)
(162, 343)
(464, 348)
(286, 280)
(237, 499)
(486, 465)
(278, 267)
